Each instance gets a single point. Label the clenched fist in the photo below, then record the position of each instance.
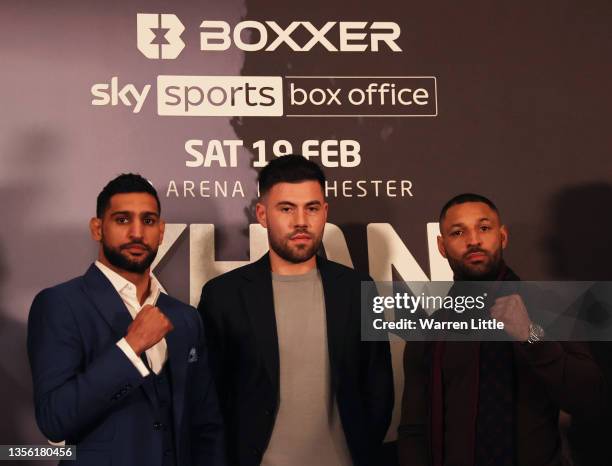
(512, 312)
(149, 327)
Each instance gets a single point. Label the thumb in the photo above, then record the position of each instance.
(146, 307)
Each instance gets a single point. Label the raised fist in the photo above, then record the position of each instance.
(512, 312)
(149, 327)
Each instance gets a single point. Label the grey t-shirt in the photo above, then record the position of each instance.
(308, 430)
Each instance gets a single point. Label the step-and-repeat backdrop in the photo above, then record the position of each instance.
(404, 104)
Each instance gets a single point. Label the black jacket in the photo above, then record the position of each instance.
(238, 312)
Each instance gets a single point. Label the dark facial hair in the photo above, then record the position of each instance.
(114, 256)
(283, 250)
(462, 272)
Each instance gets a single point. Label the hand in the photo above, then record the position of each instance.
(149, 327)
(512, 312)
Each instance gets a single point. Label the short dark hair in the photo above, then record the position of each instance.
(124, 183)
(466, 197)
(291, 168)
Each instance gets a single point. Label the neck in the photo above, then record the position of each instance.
(284, 267)
(142, 281)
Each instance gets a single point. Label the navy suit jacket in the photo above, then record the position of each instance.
(87, 392)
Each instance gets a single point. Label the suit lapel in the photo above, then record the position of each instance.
(110, 306)
(107, 301)
(177, 357)
(257, 297)
(337, 307)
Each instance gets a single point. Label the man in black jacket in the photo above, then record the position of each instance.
(491, 403)
(297, 385)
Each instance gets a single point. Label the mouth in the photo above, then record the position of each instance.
(476, 256)
(300, 237)
(135, 249)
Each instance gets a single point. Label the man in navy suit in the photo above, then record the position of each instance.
(120, 368)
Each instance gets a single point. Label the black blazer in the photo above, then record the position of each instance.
(238, 312)
(87, 392)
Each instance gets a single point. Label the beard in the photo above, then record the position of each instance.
(116, 258)
(485, 271)
(298, 253)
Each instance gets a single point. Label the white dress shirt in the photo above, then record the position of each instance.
(157, 355)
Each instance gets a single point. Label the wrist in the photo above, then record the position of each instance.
(524, 334)
(134, 344)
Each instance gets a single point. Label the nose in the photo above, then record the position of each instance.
(473, 238)
(136, 230)
(299, 218)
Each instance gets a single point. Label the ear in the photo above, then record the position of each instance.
(325, 210)
(260, 213)
(162, 229)
(503, 232)
(441, 247)
(95, 229)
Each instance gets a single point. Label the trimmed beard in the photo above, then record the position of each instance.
(462, 272)
(117, 259)
(301, 253)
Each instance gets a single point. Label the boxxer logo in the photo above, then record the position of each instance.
(159, 35)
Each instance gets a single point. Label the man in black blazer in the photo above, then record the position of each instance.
(297, 385)
(120, 368)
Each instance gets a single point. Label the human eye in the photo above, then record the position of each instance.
(286, 209)
(313, 209)
(122, 219)
(485, 227)
(150, 221)
(456, 233)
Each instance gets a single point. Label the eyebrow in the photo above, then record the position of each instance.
(460, 224)
(289, 203)
(128, 213)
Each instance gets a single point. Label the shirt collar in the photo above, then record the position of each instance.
(123, 286)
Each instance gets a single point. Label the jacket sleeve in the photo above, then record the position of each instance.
(207, 441)
(412, 438)
(71, 394)
(569, 373)
(378, 377)
(212, 317)
(216, 349)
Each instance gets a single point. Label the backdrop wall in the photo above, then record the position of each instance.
(404, 103)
